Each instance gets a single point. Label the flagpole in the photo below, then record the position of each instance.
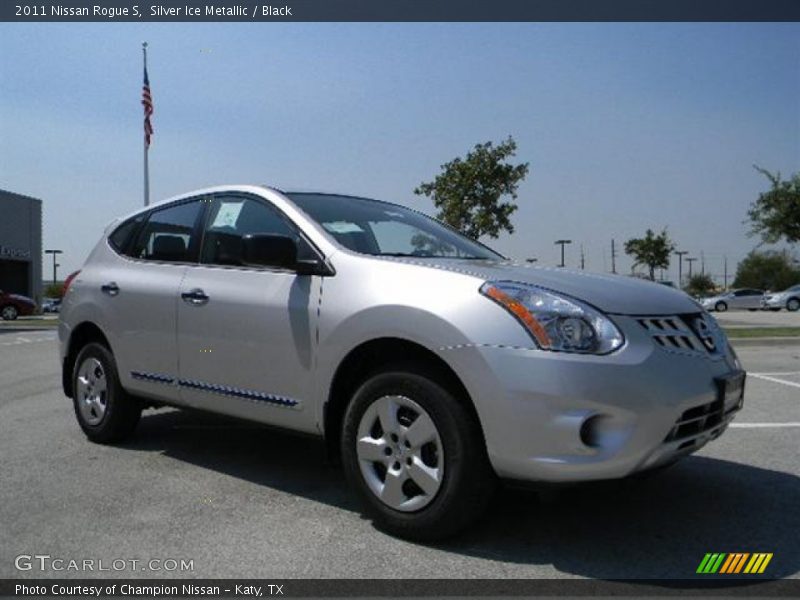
(144, 140)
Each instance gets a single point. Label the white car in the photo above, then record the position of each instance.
(745, 298)
(788, 299)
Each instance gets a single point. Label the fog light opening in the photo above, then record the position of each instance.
(589, 432)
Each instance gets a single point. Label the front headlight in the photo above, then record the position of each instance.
(554, 321)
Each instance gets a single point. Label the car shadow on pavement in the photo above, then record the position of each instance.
(658, 527)
(262, 455)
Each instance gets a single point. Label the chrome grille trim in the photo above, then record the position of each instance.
(694, 334)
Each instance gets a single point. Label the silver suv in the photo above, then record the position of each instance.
(431, 364)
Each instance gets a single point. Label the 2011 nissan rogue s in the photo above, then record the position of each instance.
(432, 364)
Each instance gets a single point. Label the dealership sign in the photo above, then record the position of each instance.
(18, 253)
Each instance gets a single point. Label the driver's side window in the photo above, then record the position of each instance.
(231, 218)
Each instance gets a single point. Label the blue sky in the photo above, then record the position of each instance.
(626, 126)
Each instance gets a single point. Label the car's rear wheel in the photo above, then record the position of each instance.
(105, 412)
(720, 307)
(415, 455)
(9, 312)
(793, 304)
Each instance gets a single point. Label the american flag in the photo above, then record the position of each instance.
(147, 102)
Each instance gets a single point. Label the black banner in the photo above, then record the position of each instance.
(731, 586)
(400, 10)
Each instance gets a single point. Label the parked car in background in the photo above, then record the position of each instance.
(746, 298)
(51, 305)
(788, 299)
(431, 364)
(15, 305)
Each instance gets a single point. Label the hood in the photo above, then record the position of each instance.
(616, 294)
(21, 298)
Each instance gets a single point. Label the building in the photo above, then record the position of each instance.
(21, 245)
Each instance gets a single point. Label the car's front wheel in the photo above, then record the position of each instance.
(415, 455)
(793, 304)
(105, 411)
(9, 312)
(720, 307)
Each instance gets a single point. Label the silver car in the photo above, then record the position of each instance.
(788, 299)
(432, 366)
(743, 299)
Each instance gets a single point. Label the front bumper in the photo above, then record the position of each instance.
(550, 416)
(775, 302)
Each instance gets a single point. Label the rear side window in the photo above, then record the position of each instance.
(122, 237)
(167, 235)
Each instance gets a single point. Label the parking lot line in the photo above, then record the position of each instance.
(775, 379)
(763, 425)
(779, 373)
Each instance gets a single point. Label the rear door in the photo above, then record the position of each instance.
(747, 298)
(141, 295)
(247, 335)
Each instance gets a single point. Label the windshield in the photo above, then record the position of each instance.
(383, 229)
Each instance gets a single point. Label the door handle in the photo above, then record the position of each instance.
(111, 288)
(196, 297)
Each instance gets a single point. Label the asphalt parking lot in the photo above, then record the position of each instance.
(240, 500)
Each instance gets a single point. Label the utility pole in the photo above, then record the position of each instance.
(613, 257)
(583, 259)
(562, 243)
(55, 264)
(680, 254)
(702, 263)
(725, 266)
(690, 261)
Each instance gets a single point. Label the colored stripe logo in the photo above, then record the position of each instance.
(734, 563)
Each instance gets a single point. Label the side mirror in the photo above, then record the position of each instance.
(266, 250)
(263, 250)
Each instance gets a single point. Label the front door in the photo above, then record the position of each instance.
(246, 336)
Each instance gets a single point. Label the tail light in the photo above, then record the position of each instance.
(68, 281)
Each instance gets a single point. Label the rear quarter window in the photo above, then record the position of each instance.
(121, 239)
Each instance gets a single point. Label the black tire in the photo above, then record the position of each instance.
(793, 304)
(122, 411)
(720, 307)
(468, 480)
(9, 312)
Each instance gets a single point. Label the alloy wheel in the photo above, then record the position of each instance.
(92, 391)
(400, 453)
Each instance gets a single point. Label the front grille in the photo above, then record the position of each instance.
(697, 420)
(693, 334)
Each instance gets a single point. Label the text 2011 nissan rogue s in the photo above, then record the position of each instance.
(431, 363)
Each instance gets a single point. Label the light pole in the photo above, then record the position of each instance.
(55, 264)
(690, 261)
(680, 254)
(562, 243)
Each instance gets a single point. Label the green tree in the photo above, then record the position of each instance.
(468, 192)
(652, 250)
(776, 213)
(700, 284)
(768, 270)
(54, 290)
